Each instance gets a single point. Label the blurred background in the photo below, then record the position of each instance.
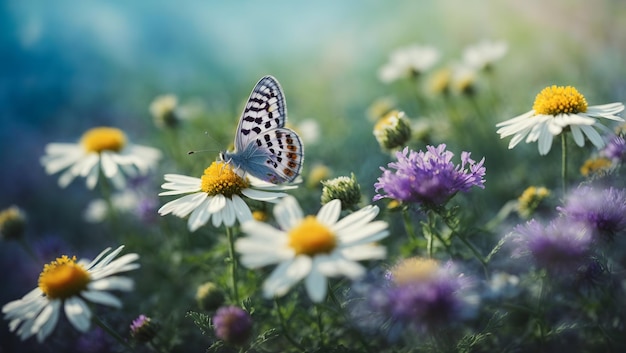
(68, 66)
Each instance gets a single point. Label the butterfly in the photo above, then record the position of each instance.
(264, 147)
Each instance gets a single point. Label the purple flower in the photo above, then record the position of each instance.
(143, 329)
(417, 296)
(615, 149)
(429, 177)
(232, 325)
(603, 211)
(561, 247)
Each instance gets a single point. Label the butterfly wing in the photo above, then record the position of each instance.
(283, 155)
(265, 110)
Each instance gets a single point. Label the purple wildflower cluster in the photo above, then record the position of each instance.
(423, 304)
(566, 245)
(559, 247)
(429, 178)
(602, 211)
(615, 149)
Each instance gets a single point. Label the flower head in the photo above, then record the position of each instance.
(217, 194)
(615, 149)
(421, 295)
(70, 284)
(409, 61)
(313, 247)
(482, 55)
(103, 150)
(143, 329)
(209, 296)
(602, 211)
(393, 130)
(12, 223)
(232, 325)
(530, 200)
(346, 189)
(559, 108)
(430, 177)
(560, 247)
(163, 109)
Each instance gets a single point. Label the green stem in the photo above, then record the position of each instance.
(563, 161)
(29, 250)
(320, 326)
(233, 263)
(408, 226)
(465, 241)
(111, 332)
(283, 325)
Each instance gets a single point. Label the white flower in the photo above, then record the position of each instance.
(484, 54)
(101, 148)
(218, 195)
(311, 248)
(124, 201)
(71, 285)
(555, 109)
(409, 61)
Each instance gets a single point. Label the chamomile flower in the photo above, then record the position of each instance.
(556, 109)
(311, 248)
(70, 285)
(217, 195)
(410, 61)
(481, 56)
(103, 150)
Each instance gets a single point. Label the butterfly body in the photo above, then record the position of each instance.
(264, 147)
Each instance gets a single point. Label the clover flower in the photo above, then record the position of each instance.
(556, 109)
(217, 195)
(429, 178)
(233, 325)
(101, 150)
(311, 248)
(71, 285)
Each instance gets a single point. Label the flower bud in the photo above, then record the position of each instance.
(232, 325)
(345, 189)
(393, 130)
(209, 296)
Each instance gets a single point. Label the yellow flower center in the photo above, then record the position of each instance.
(63, 278)
(595, 166)
(311, 237)
(413, 270)
(555, 100)
(103, 139)
(220, 178)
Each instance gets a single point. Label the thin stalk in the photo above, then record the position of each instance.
(320, 326)
(233, 263)
(111, 332)
(408, 226)
(283, 325)
(563, 162)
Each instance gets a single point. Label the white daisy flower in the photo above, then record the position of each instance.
(217, 195)
(482, 55)
(71, 285)
(559, 108)
(103, 149)
(407, 62)
(313, 247)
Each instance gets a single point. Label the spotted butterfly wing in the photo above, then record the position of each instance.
(264, 147)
